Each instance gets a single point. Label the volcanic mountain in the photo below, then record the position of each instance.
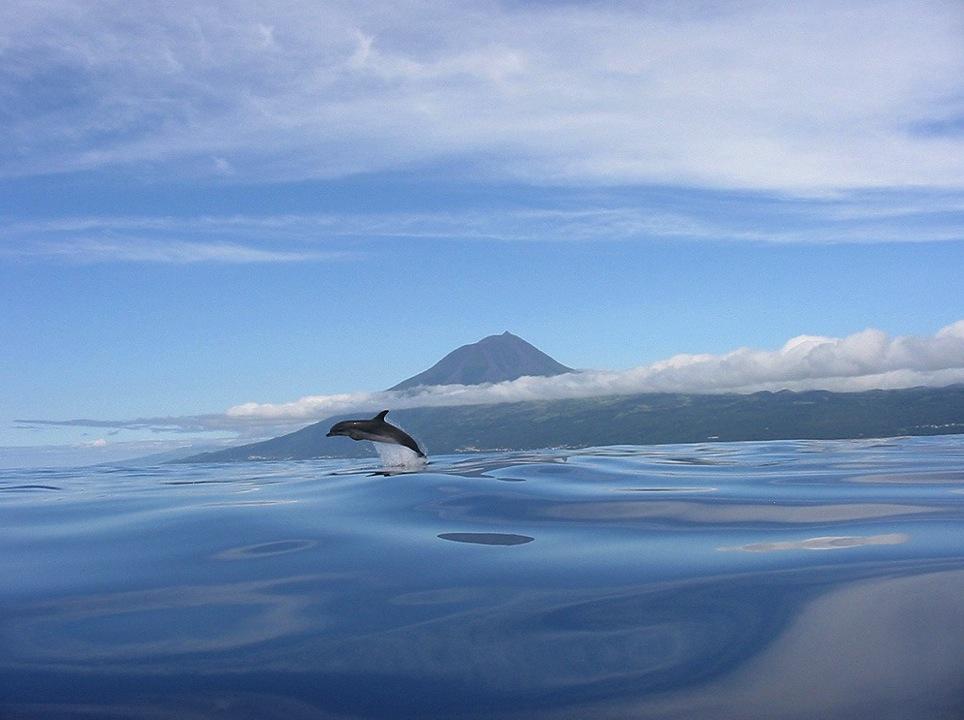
(643, 419)
(492, 359)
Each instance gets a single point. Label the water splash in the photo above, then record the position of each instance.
(398, 456)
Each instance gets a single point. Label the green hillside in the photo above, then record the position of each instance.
(638, 420)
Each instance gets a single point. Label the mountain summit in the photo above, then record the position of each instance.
(495, 358)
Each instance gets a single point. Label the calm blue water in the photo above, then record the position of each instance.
(804, 579)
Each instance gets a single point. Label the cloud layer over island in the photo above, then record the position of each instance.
(866, 360)
(862, 361)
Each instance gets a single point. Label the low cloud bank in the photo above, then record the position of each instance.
(862, 361)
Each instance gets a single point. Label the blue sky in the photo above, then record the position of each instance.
(204, 206)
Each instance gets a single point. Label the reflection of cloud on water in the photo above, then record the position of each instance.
(890, 648)
(823, 543)
(939, 477)
(269, 549)
(443, 596)
(140, 625)
(733, 646)
(526, 648)
(701, 512)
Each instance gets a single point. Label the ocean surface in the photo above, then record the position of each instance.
(792, 579)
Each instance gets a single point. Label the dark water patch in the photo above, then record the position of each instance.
(28, 487)
(200, 481)
(487, 538)
(695, 461)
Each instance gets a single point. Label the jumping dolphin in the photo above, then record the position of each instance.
(376, 430)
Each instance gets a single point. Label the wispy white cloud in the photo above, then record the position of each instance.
(138, 250)
(802, 97)
(294, 237)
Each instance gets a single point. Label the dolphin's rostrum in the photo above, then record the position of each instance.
(376, 430)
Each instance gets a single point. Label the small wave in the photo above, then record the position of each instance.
(667, 489)
(29, 487)
(268, 549)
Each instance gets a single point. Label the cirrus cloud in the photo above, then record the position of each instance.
(756, 95)
(140, 250)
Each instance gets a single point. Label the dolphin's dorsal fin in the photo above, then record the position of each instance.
(380, 416)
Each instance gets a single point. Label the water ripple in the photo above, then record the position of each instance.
(783, 580)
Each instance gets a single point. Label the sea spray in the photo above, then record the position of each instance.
(398, 456)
